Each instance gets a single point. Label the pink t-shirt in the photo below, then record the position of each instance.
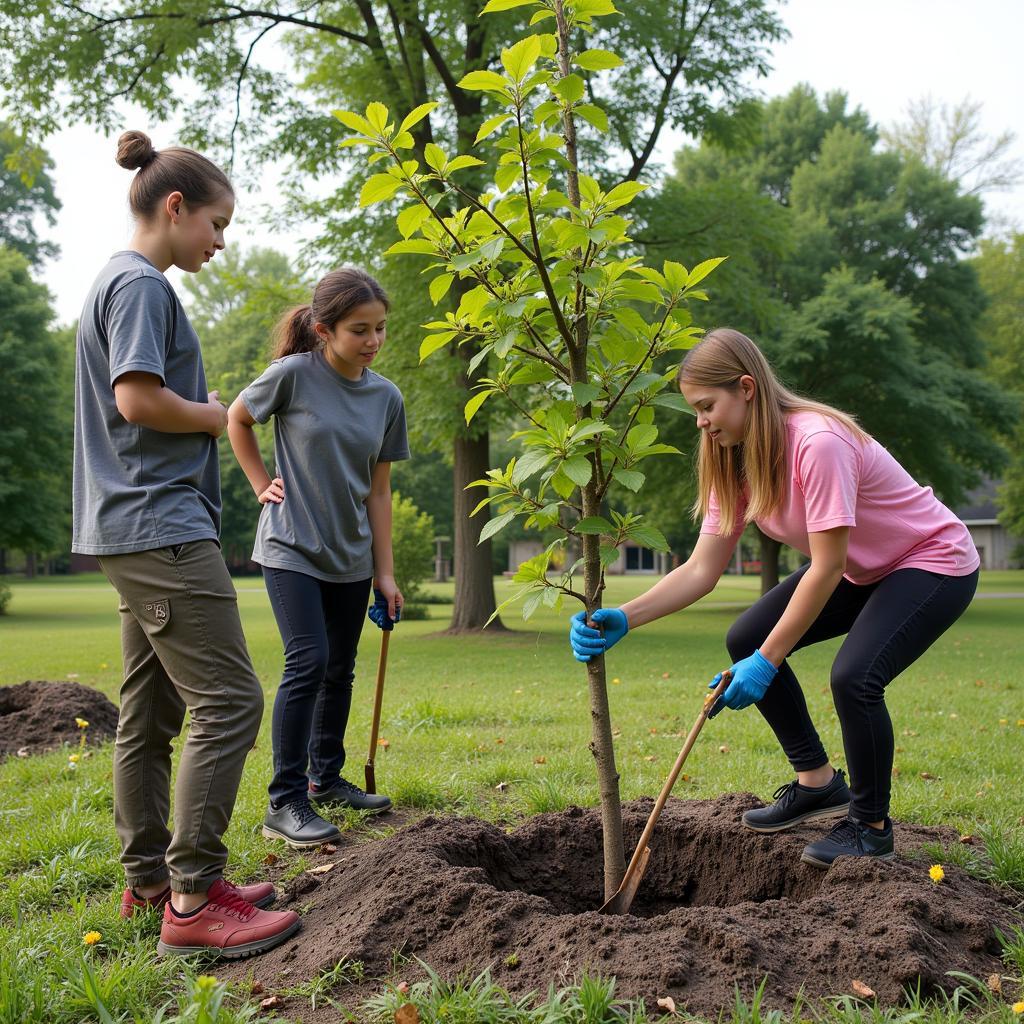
(835, 480)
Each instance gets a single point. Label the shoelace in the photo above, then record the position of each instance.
(302, 812)
(351, 787)
(786, 789)
(845, 832)
(232, 903)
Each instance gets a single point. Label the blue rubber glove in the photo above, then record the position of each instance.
(751, 678)
(587, 642)
(378, 613)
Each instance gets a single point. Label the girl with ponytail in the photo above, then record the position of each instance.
(147, 504)
(324, 534)
(891, 568)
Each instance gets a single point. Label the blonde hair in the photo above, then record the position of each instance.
(759, 461)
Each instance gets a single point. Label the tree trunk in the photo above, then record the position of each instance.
(474, 575)
(769, 562)
(30, 564)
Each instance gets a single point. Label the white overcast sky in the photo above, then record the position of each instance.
(882, 53)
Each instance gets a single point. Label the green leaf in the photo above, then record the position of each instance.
(593, 115)
(439, 287)
(534, 373)
(562, 484)
(535, 459)
(648, 536)
(585, 393)
(484, 81)
(377, 115)
(473, 405)
(609, 555)
(641, 437)
(506, 5)
(570, 89)
(433, 342)
(594, 8)
(675, 275)
(377, 188)
(412, 245)
(492, 526)
(403, 140)
(416, 115)
(578, 469)
(597, 60)
(702, 270)
(642, 382)
(629, 478)
(671, 401)
(532, 603)
(642, 291)
(519, 59)
(410, 219)
(358, 123)
(623, 193)
(434, 155)
(492, 124)
(594, 524)
(541, 16)
(506, 175)
(462, 161)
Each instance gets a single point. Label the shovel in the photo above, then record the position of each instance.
(622, 899)
(382, 665)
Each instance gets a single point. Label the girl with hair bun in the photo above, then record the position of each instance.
(891, 568)
(147, 504)
(324, 534)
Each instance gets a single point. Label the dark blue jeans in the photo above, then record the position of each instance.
(320, 624)
(888, 626)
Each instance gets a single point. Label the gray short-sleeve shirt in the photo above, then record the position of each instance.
(136, 489)
(329, 433)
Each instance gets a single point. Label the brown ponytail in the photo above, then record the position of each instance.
(334, 297)
(160, 172)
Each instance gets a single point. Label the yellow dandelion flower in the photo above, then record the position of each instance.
(1018, 1007)
(1020, 721)
(936, 873)
(205, 982)
(81, 723)
(74, 758)
(91, 938)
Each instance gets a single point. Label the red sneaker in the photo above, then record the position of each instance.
(227, 926)
(261, 894)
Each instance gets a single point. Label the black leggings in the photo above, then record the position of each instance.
(889, 625)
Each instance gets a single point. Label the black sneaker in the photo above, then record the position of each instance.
(346, 794)
(850, 838)
(298, 825)
(795, 803)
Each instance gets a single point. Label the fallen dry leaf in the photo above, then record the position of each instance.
(501, 787)
(327, 848)
(616, 732)
(271, 858)
(995, 983)
(685, 777)
(967, 840)
(664, 675)
(654, 730)
(383, 743)
(540, 760)
(403, 987)
(667, 1003)
(23, 752)
(256, 988)
(649, 757)
(272, 1003)
(407, 1014)
(927, 776)
(499, 740)
(321, 869)
(861, 989)
(723, 749)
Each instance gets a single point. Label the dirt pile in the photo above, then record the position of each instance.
(720, 906)
(39, 715)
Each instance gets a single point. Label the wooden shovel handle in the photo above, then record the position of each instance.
(378, 697)
(666, 790)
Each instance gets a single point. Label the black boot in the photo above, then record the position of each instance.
(795, 803)
(346, 794)
(298, 825)
(850, 838)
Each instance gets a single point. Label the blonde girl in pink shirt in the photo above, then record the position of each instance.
(891, 568)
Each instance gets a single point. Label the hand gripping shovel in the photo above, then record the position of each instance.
(623, 897)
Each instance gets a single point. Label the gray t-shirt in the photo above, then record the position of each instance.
(136, 489)
(329, 433)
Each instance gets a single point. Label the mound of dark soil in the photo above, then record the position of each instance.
(719, 906)
(39, 715)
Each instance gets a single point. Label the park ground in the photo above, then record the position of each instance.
(494, 726)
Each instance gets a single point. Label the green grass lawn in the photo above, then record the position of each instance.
(502, 723)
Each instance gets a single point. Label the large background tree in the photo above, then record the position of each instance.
(685, 62)
(26, 195)
(853, 275)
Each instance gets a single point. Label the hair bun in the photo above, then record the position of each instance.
(134, 150)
